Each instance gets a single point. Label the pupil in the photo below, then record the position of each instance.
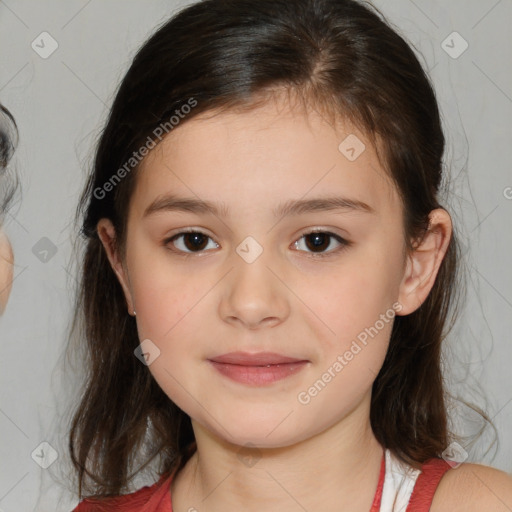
(319, 240)
(197, 238)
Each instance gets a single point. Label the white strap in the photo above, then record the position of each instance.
(399, 483)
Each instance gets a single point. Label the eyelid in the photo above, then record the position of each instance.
(184, 231)
(345, 244)
(308, 231)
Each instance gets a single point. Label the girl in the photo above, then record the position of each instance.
(268, 273)
(8, 141)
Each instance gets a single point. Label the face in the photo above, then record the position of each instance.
(318, 285)
(6, 270)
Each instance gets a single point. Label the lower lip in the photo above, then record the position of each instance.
(258, 375)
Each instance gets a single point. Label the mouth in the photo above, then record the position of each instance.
(256, 369)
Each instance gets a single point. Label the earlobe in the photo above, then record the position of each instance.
(424, 262)
(107, 235)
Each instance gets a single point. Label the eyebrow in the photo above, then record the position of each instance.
(293, 207)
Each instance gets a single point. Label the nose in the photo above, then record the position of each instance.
(254, 296)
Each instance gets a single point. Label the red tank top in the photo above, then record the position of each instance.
(157, 498)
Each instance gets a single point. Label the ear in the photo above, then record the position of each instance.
(107, 235)
(423, 264)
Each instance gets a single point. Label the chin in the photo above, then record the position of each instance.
(261, 441)
(265, 434)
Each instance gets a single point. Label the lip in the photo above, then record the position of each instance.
(255, 359)
(257, 369)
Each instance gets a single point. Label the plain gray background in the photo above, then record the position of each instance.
(60, 104)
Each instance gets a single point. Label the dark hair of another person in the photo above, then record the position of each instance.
(8, 143)
(339, 56)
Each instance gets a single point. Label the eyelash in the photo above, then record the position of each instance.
(345, 244)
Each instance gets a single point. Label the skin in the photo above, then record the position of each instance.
(6, 270)
(286, 301)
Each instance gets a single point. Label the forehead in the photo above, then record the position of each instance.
(256, 159)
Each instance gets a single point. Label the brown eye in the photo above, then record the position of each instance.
(193, 241)
(318, 241)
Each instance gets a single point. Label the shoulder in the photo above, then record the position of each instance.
(473, 488)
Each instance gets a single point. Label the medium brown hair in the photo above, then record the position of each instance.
(340, 55)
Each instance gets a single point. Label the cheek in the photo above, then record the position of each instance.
(352, 297)
(165, 305)
(358, 309)
(168, 306)
(163, 292)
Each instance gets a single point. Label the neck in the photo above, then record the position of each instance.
(337, 469)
